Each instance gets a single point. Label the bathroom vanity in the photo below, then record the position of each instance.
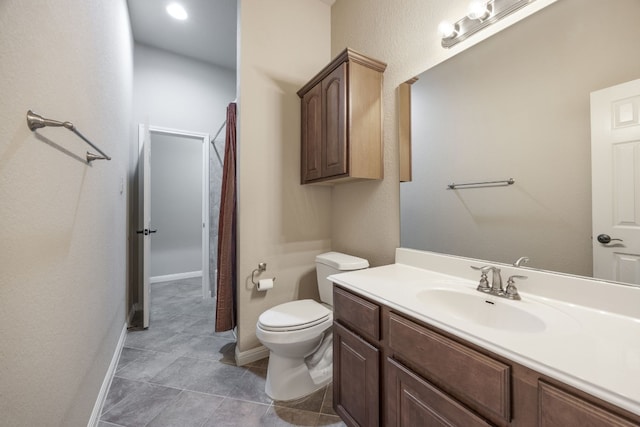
(415, 344)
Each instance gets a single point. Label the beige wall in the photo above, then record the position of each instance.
(283, 43)
(365, 216)
(63, 251)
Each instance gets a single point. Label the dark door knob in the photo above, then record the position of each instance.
(605, 238)
(146, 231)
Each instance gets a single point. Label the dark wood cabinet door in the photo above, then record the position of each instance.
(356, 390)
(311, 135)
(558, 408)
(334, 105)
(479, 381)
(412, 401)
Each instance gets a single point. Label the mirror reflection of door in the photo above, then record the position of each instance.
(615, 159)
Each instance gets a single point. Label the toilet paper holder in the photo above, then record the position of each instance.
(261, 267)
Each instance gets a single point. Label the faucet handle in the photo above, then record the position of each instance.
(511, 291)
(484, 269)
(483, 286)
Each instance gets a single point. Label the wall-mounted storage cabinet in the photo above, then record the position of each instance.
(342, 121)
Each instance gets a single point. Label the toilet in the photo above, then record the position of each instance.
(299, 330)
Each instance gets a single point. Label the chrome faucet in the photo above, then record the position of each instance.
(510, 292)
(496, 281)
(520, 261)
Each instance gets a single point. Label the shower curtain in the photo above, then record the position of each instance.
(226, 280)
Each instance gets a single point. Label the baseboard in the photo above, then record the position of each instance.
(255, 354)
(106, 383)
(177, 276)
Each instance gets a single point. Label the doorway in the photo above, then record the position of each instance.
(174, 194)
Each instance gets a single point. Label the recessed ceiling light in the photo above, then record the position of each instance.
(177, 11)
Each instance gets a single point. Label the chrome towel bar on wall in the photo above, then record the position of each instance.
(502, 183)
(36, 121)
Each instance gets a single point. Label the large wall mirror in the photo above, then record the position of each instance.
(517, 105)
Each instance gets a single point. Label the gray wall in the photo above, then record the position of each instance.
(517, 105)
(63, 256)
(176, 204)
(177, 92)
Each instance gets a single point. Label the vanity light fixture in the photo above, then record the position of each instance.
(447, 30)
(177, 11)
(480, 14)
(479, 9)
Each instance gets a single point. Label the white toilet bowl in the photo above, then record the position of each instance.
(295, 330)
(291, 338)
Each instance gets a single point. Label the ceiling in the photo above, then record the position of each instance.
(208, 34)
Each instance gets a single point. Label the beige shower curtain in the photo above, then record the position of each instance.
(226, 279)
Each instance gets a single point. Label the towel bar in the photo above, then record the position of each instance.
(502, 183)
(36, 121)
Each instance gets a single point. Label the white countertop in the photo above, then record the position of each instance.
(589, 348)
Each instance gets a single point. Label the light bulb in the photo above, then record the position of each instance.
(446, 29)
(478, 9)
(177, 11)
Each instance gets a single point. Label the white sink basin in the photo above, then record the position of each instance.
(493, 312)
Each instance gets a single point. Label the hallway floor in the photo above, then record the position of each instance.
(180, 373)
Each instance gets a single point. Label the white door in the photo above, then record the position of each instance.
(615, 163)
(144, 230)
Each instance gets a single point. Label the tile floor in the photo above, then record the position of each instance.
(180, 373)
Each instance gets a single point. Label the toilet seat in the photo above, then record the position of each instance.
(294, 316)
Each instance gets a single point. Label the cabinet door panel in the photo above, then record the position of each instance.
(311, 156)
(334, 102)
(412, 401)
(483, 384)
(558, 408)
(356, 366)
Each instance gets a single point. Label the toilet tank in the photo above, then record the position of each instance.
(332, 263)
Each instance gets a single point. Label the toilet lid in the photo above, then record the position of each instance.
(294, 315)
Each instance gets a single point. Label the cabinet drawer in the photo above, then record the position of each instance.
(477, 380)
(558, 408)
(412, 401)
(362, 316)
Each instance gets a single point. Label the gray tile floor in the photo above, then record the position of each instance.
(180, 373)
